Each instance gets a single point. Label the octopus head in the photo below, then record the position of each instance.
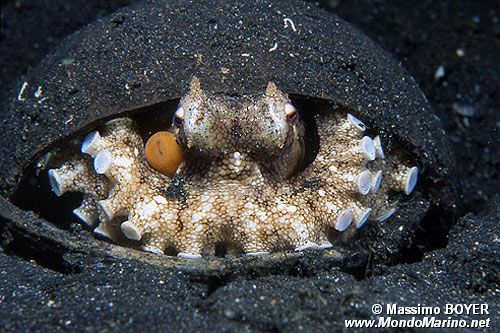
(263, 131)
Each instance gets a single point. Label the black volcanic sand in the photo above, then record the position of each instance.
(51, 288)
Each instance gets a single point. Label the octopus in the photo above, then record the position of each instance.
(233, 171)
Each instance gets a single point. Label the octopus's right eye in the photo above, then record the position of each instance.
(179, 117)
(292, 114)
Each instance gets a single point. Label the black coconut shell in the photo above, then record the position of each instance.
(147, 54)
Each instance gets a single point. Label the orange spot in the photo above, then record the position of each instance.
(163, 153)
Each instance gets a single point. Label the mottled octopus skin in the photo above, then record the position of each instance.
(238, 184)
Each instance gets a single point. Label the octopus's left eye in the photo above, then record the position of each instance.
(292, 114)
(178, 121)
(179, 117)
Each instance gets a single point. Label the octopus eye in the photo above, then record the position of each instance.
(292, 114)
(178, 121)
(179, 117)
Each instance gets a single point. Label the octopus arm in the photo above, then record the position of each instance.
(122, 194)
(353, 178)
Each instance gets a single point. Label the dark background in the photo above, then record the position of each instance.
(461, 36)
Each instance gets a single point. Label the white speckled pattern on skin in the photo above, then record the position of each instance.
(240, 184)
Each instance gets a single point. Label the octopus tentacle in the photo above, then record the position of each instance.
(349, 170)
(118, 184)
(77, 175)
